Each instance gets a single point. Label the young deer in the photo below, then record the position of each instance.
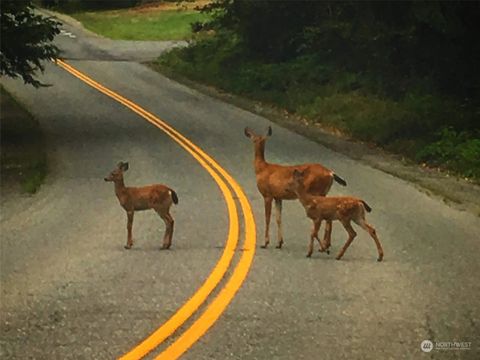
(344, 208)
(273, 180)
(158, 197)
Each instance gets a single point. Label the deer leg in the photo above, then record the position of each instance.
(351, 235)
(371, 230)
(278, 215)
(313, 236)
(129, 230)
(169, 223)
(268, 213)
(327, 237)
(315, 230)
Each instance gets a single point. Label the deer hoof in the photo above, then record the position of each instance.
(328, 252)
(380, 259)
(263, 246)
(278, 246)
(128, 247)
(309, 255)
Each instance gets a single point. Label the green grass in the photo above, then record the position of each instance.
(135, 25)
(419, 124)
(23, 157)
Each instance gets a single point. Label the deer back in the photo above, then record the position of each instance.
(156, 197)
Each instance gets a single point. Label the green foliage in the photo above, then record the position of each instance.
(393, 73)
(403, 42)
(35, 176)
(26, 41)
(327, 95)
(22, 146)
(459, 151)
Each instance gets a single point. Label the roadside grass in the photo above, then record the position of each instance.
(421, 125)
(128, 24)
(23, 158)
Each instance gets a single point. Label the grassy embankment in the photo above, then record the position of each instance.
(419, 124)
(166, 22)
(23, 157)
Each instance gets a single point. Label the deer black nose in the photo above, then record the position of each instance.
(105, 179)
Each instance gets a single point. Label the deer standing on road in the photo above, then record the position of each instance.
(342, 208)
(273, 180)
(157, 197)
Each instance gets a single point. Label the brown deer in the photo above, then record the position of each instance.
(342, 208)
(273, 180)
(157, 197)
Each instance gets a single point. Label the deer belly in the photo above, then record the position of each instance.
(314, 213)
(137, 205)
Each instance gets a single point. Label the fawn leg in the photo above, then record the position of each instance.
(322, 247)
(351, 235)
(371, 230)
(169, 223)
(278, 215)
(268, 212)
(327, 238)
(313, 236)
(129, 230)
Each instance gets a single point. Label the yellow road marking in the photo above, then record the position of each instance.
(220, 303)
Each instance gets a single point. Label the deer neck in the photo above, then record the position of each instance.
(259, 161)
(120, 188)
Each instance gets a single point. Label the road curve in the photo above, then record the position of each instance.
(70, 291)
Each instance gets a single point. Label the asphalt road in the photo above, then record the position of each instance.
(70, 291)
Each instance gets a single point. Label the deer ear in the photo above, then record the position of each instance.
(125, 166)
(248, 132)
(298, 174)
(269, 131)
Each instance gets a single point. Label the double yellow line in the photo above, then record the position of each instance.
(228, 291)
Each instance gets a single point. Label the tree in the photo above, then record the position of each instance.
(26, 41)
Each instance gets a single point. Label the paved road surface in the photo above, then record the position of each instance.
(70, 291)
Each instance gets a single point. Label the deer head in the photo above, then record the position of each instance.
(117, 173)
(257, 138)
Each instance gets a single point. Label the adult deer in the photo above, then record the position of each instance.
(273, 180)
(342, 208)
(157, 197)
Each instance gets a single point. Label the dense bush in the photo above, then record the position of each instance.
(459, 151)
(397, 74)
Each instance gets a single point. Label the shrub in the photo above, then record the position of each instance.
(459, 151)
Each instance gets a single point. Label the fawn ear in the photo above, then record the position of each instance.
(269, 131)
(248, 132)
(297, 174)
